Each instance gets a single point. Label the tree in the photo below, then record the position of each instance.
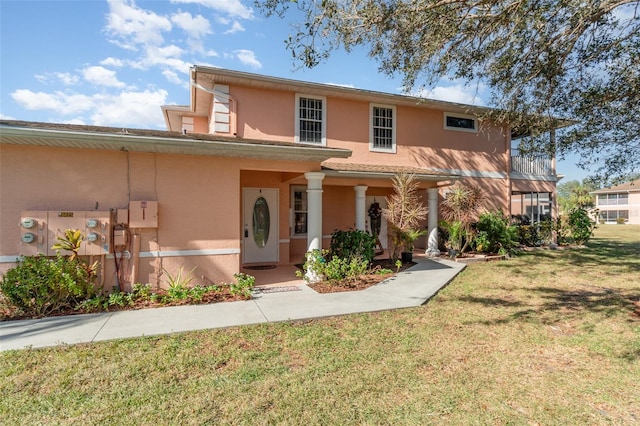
(543, 60)
(459, 211)
(404, 212)
(575, 195)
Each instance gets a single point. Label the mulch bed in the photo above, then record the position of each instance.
(364, 281)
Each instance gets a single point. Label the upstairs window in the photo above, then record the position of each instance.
(464, 123)
(382, 128)
(311, 120)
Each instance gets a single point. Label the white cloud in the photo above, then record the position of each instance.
(6, 117)
(112, 62)
(232, 7)
(101, 77)
(173, 77)
(134, 26)
(247, 57)
(211, 53)
(235, 28)
(197, 27)
(127, 108)
(135, 109)
(454, 92)
(67, 79)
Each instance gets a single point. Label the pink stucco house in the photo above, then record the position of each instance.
(256, 170)
(619, 203)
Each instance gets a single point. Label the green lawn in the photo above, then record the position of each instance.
(546, 338)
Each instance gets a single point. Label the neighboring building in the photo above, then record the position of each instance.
(620, 203)
(255, 171)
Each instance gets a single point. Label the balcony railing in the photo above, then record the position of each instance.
(537, 165)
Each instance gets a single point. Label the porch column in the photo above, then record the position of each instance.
(432, 222)
(314, 210)
(360, 207)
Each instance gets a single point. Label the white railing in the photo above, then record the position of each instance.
(538, 165)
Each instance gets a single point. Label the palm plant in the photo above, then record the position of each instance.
(459, 210)
(404, 212)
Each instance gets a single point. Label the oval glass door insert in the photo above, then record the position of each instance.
(261, 222)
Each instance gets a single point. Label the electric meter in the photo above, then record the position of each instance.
(28, 237)
(92, 237)
(28, 222)
(92, 223)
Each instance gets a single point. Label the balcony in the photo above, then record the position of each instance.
(538, 165)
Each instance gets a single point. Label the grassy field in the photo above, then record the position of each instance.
(549, 337)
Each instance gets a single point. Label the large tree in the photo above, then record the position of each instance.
(576, 60)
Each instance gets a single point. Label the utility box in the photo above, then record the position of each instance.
(143, 214)
(33, 232)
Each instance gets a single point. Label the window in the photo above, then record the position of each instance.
(299, 203)
(613, 199)
(464, 123)
(382, 128)
(311, 120)
(613, 215)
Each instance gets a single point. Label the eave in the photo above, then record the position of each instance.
(137, 140)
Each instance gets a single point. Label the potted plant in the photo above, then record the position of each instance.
(404, 212)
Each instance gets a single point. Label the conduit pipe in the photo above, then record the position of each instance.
(135, 257)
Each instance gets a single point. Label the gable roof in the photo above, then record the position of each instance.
(158, 141)
(631, 186)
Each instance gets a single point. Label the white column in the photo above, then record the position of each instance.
(432, 222)
(360, 207)
(314, 210)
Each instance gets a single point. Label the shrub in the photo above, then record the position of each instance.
(338, 268)
(495, 235)
(353, 243)
(581, 226)
(243, 286)
(39, 285)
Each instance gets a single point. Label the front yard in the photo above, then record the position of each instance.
(549, 337)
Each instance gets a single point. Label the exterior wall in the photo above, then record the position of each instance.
(199, 203)
(633, 207)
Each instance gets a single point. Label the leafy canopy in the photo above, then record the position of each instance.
(576, 60)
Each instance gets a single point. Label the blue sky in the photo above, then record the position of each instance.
(115, 62)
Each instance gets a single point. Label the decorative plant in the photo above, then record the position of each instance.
(70, 241)
(459, 211)
(404, 212)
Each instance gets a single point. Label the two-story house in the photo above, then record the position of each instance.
(256, 170)
(619, 203)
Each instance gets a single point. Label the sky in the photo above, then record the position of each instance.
(116, 62)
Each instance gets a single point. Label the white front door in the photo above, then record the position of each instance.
(260, 225)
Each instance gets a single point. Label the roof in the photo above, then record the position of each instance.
(631, 186)
(381, 171)
(158, 141)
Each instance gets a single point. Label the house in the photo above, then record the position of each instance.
(256, 170)
(620, 203)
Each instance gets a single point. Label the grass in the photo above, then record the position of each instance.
(545, 338)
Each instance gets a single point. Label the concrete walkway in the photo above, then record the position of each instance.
(412, 287)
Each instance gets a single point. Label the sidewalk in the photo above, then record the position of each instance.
(412, 287)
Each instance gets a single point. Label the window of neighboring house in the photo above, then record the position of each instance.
(464, 123)
(300, 206)
(613, 215)
(311, 120)
(382, 128)
(613, 199)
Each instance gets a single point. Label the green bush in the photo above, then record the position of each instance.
(338, 268)
(40, 286)
(495, 235)
(353, 243)
(581, 226)
(243, 286)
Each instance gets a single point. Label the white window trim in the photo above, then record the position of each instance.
(324, 119)
(459, 129)
(394, 124)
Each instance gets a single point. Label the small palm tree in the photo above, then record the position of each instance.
(404, 212)
(460, 208)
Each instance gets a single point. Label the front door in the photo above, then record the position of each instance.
(260, 225)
